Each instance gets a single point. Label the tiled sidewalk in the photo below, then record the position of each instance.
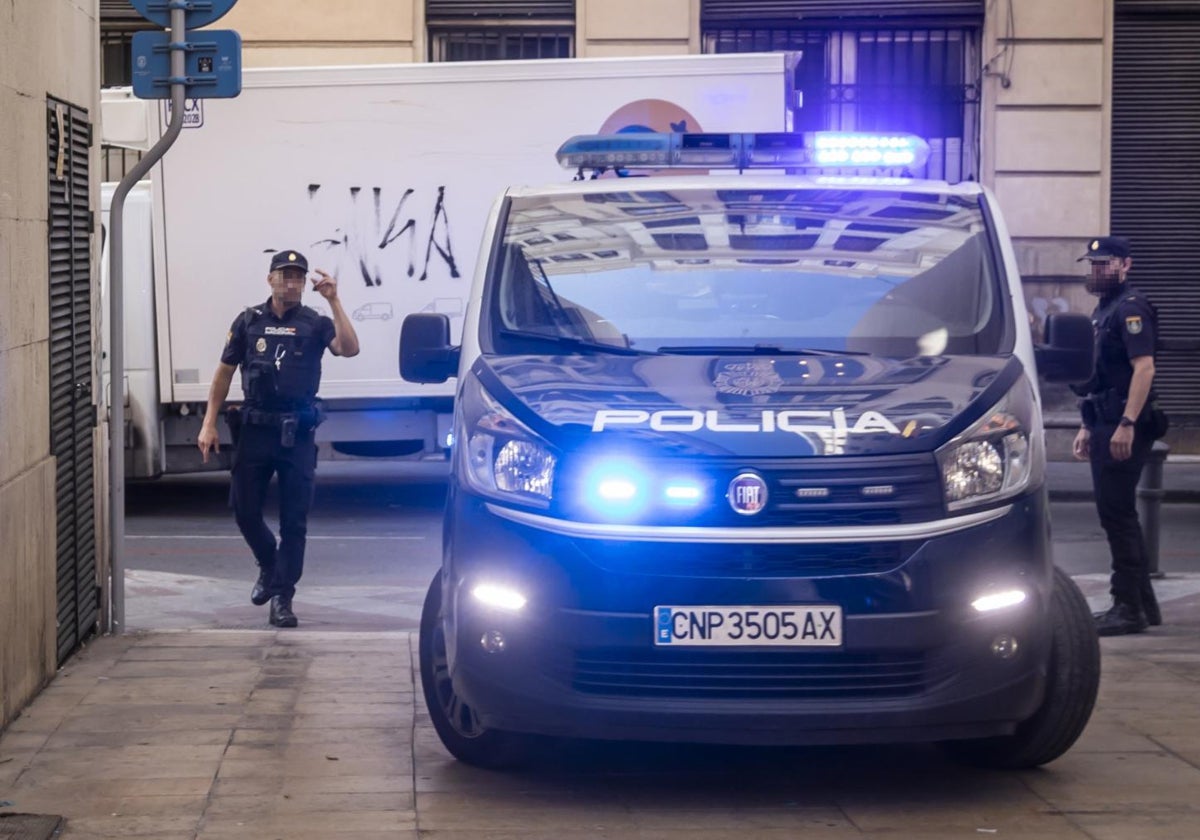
(216, 735)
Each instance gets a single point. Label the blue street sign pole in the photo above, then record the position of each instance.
(116, 425)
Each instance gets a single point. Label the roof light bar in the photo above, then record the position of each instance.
(775, 150)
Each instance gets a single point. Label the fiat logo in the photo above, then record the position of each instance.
(747, 494)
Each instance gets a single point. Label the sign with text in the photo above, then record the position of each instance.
(193, 113)
(212, 65)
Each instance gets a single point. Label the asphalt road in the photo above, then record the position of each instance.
(375, 543)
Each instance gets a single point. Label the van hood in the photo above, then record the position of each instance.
(748, 406)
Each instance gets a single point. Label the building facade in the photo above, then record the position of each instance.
(1078, 113)
(49, 507)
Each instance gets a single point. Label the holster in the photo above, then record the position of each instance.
(1105, 408)
(289, 423)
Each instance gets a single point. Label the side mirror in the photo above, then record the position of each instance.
(1067, 354)
(426, 354)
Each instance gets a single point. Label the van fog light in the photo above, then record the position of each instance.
(999, 600)
(1005, 647)
(501, 597)
(493, 641)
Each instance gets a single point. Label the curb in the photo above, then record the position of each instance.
(1170, 497)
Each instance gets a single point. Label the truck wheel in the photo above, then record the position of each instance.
(456, 723)
(1072, 682)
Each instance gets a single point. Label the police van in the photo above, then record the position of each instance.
(747, 456)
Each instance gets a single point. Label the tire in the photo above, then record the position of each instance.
(456, 723)
(1073, 680)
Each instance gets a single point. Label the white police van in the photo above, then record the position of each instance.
(750, 458)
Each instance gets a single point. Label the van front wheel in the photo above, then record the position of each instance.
(1072, 682)
(456, 723)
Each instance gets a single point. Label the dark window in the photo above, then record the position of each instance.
(919, 80)
(500, 30)
(500, 43)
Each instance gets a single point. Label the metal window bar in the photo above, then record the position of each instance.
(116, 161)
(919, 80)
(500, 43)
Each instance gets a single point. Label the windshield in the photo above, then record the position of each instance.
(884, 272)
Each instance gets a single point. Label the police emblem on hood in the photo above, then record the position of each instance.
(747, 378)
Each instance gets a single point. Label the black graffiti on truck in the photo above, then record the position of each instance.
(363, 246)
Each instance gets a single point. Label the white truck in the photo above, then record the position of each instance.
(383, 176)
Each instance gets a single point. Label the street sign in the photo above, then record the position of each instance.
(197, 12)
(193, 113)
(212, 64)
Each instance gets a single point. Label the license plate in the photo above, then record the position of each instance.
(811, 626)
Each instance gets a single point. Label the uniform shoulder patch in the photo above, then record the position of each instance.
(1133, 324)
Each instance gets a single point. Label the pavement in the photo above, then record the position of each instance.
(312, 733)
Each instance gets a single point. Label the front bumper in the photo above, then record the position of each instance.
(916, 664)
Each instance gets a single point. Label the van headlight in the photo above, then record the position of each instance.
(999, 456)
(502, 458)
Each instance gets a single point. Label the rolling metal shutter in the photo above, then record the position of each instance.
(1155, 180)
(437, 10)
(72, 413)
(741, 10)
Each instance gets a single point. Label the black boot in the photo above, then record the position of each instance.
(1150, 605)
(281, 612)
(1120, 620)
(261, 593)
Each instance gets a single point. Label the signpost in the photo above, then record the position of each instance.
(166, 65)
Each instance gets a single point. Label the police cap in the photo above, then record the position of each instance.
(284, 259)
(1103, 247)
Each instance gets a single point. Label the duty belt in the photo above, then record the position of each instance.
(257, 417)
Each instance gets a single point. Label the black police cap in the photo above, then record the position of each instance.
(1103, 247)
(286, 259)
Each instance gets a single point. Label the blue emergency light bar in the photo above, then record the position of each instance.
(767, 150)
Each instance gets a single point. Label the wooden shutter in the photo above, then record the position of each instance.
(72, 412)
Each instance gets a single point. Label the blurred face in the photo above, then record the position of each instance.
(1107, 274)
(287, 285)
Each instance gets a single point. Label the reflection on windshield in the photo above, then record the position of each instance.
(852, 270)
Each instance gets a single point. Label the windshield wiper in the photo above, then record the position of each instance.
(573, 343)
(754, 350)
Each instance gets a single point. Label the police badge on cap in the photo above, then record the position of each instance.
(289, 259)
(1104, 247)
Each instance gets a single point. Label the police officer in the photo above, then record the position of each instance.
(278, 345)
(1118, 431)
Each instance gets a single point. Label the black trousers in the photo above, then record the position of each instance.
(259, 456)
(1115, 486)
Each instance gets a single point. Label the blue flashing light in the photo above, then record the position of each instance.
(616, 488)
(683, 493)
(833, 148)
(812, 150)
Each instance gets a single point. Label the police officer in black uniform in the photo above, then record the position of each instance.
(278, 345)
(1119, 428)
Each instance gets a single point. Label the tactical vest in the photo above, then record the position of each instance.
(281, 370)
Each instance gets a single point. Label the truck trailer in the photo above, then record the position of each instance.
(383, 176)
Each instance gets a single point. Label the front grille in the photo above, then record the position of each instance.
(771, 675)
(801, 492)
(754, 560)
